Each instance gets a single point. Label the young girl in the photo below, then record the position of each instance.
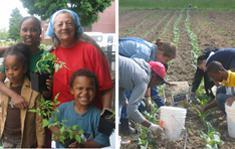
(81, 111)
(30, 31)
(19, 128)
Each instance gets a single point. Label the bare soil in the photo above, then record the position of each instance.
(213, 28)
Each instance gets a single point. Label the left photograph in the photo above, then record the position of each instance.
(57, 72)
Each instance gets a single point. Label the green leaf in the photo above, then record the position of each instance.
(78, 139)
(45, 123)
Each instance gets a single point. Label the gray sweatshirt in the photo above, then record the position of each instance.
(134, 75)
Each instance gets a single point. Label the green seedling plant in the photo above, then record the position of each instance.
(192, 37)
(212, 137)
(145, 141)
(202, 115)
(46, 109)
(49, 63)
(176, 31)
(151, 115)
(65, 133)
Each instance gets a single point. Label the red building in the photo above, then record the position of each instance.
(106, 21)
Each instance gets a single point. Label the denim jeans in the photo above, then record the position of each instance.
(221, 97)
(156, 98)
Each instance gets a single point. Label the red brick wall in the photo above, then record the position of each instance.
(106, 21)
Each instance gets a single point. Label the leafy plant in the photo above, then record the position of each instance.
(192, 37)
(49, 63)
(151, 116)
(66, 134)
(201, 115)
(176, 31)
(145, 141)
(212, 137)
(46, 109)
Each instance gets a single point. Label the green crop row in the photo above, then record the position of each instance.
(176, 31)
(178, 4)
(192, 37)
(211, 136)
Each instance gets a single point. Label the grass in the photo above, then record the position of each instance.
(177, 4)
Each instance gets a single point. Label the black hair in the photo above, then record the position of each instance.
(200, 59)
(205, 54)
(36, 20)
(214, 67)
(21, 51)
(86, 73)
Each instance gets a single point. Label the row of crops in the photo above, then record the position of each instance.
(210, 135)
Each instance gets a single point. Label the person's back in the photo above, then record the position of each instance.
(133, 72)
(226, 56)
(134, 47)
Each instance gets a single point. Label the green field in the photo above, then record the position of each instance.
(177, 4)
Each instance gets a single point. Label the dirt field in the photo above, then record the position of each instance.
(212, 28)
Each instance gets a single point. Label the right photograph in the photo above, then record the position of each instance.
(176, 74)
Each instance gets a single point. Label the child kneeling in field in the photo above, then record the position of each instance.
(225, 78)
(81, 111)
(220, 75)
(19, 128)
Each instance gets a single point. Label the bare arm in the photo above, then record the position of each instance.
(209, 106)
(107, 99)
(56, 131)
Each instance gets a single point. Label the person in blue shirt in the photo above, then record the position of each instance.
(134, 47)
(81, 112)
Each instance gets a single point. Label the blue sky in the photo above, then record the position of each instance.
(6, 8)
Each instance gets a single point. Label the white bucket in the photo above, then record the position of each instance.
(230, 119)
(172, 119)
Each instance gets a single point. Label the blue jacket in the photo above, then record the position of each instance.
(134, 47)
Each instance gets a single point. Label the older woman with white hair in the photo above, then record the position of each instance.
(66, 32)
